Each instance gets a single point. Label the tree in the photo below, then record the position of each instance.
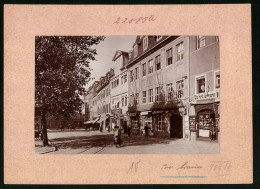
(61, 71)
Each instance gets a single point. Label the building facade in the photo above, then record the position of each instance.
(204, 84)
(158, 85)
(170, 83)
(119, 89)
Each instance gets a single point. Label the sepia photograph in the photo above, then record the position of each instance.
(127, 94)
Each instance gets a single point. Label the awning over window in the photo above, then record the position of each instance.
(145, 113)
(103, 119)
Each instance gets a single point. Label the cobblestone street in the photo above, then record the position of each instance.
(93, 142)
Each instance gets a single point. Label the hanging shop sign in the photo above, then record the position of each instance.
(204, 96)
(192, 122)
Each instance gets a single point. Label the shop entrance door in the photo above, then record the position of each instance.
(176, 126)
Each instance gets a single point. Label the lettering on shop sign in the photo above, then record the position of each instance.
(204, 96)
(138, 20)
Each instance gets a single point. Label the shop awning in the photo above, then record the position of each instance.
(92, 121)
(103, 119)
(145, 113)
(158, 112)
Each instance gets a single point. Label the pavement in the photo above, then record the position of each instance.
(95, 142)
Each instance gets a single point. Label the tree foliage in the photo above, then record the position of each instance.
(61, 71)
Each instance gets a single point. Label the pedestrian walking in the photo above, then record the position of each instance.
(146, 129)
(117, 136)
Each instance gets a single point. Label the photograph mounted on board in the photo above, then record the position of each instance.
(127, 94)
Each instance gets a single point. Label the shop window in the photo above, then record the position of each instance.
(131, 75)
(136, 72)
(145, 42)
(179, 48)
(160, 122)
(148, 121)
(150, 95)
(144, 69)
(201, 84)
(135, 50)
(144, 97)
(134, 123)
(200, 41)
(169, 56)
(137, 98)
(158, 62)
(169, 91)
(206, 118)
(217, 79)
(150, 66)
(180, 88)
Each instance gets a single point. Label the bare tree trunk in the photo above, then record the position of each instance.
(44, 131)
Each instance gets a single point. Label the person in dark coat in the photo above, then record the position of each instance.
(146, 129)
(128, 130)
(117, 136)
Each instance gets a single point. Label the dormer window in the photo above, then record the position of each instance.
(129, 54)
(145, 43)
(158, 37)
(135, 51)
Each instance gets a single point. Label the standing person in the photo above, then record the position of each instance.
(211, 131)
(117, 136)
(128, 130)
(146, 129)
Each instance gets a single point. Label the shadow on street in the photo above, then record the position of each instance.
(105, 140)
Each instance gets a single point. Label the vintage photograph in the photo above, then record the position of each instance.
(127, 95)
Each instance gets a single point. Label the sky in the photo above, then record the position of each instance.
(105, 52)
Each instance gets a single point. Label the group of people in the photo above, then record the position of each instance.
(117, 134)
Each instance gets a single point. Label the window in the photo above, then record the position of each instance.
(180, 87)
(158, 62)
(129, 54)
(145, 42)
(122, 80)
(131, 76)
(201, 84)
(179, 51)
(144, 69)
(200, 41)
(169, 91)
(135, 50)
(217, 80)
(150, 66)
(160, 122)
(137, 73)
(144, 96)
(158, 37)
(125, 78)
(157, 93)
(125, 100)
(122, 101)
(137, 98)
(169, 56)
(150, 95)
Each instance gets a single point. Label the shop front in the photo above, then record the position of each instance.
(206, 120)
(134, 122)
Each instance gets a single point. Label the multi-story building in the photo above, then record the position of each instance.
(103, 101)
(158, 84)
(204, 84)
(119, 88)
